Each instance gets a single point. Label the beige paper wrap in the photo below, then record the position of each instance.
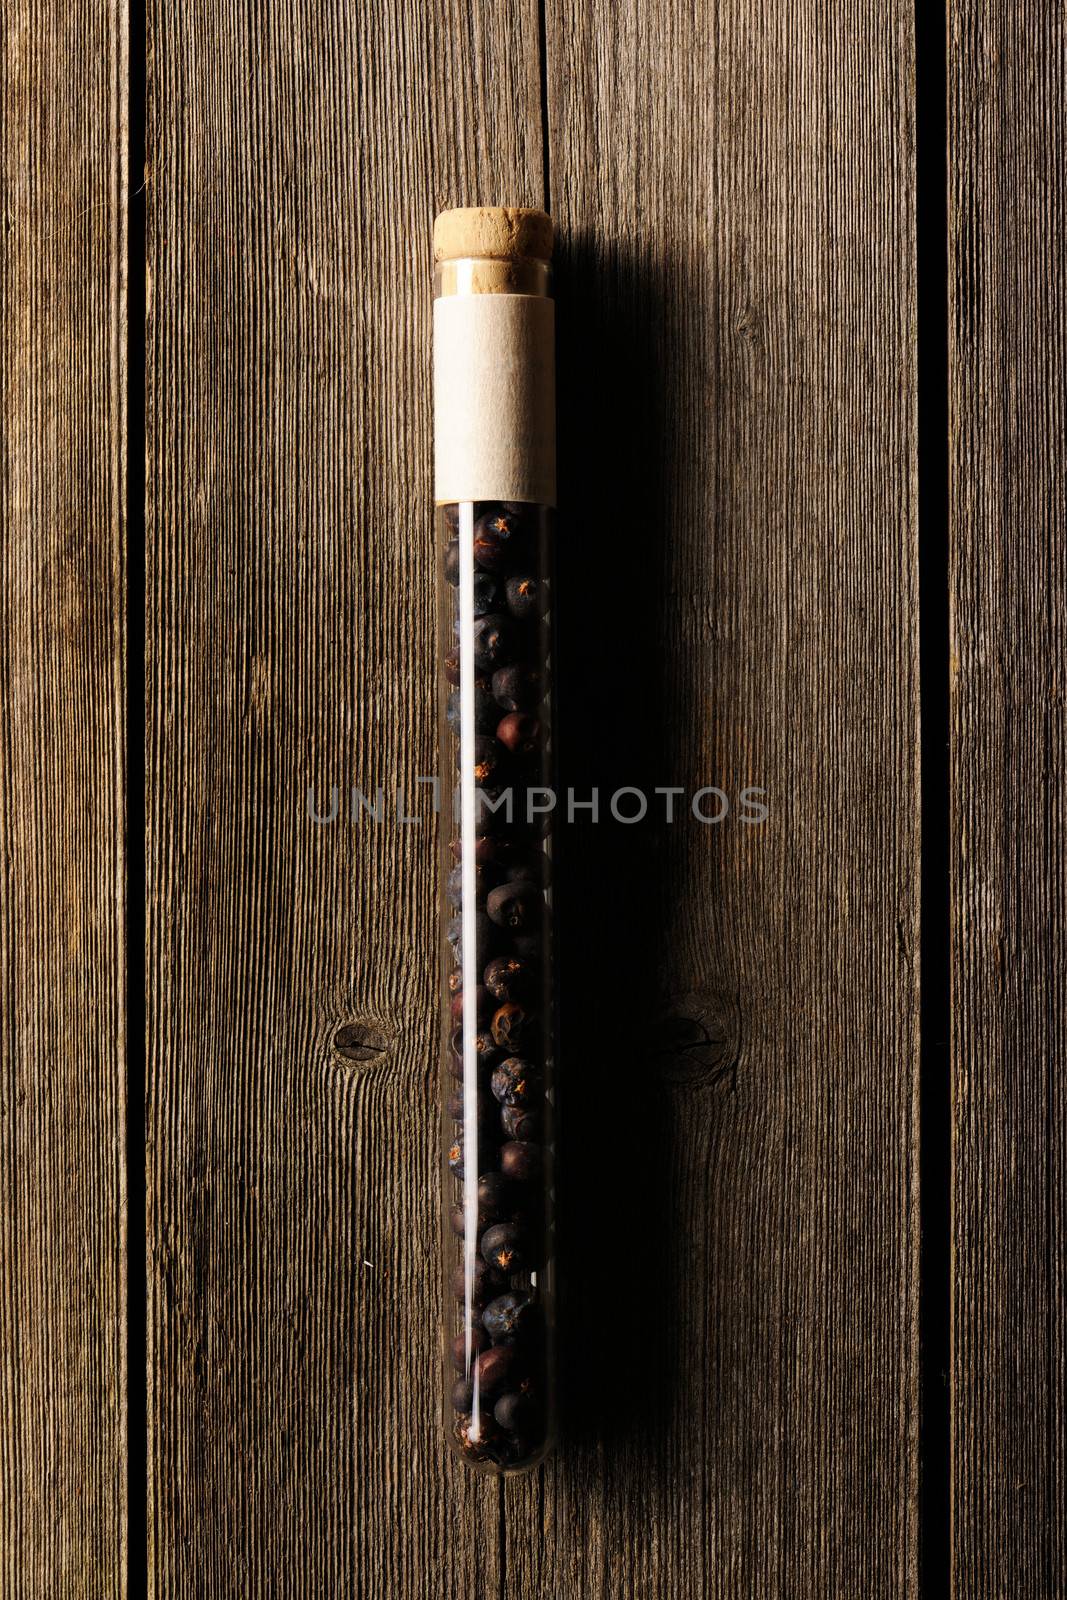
(494, 398)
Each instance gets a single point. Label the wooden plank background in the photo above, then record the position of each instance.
(1008, 127)
(735, 191)
(728, 321)
(62, 707)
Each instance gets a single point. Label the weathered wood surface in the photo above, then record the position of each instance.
(735, 196)
(1008, 138)
(741, 1356)
(62, 702)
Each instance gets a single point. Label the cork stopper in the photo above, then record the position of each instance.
(499, 233)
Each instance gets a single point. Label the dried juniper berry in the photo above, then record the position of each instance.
(484, 1048)
(518, 1123)
(455, 1156)
(524, 596)
(494, 641)
(530, 946)
(512, 1025)
(487, 851)
(498, 1367)
(520, 1161)
(516, 1412)
(509, 978)
(505, 845)
(486, 711)
(514, 905)
(451, 562)
(489, 759)
(498, 1200)
(484, 1005)
(494, 808)
(529, 866)
(478, 1341)
(484, 878)
(520, 733)
(485, 1283)
(500, 540)
(504, 1247)
(485, 594)
(517, 687)
(487, 939)
(462, 1395)
(506, 1317)
(515, 1083)
(485, 1108)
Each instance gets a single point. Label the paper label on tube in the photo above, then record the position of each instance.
(494, 385)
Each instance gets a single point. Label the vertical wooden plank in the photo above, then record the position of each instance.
(62, 699)
(1008, 398)
(298, 154)
(734, 186)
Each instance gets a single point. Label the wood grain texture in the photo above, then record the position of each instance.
(62, 702)
(298, 156)
(734, 190)
(738, 389)
(1008, 397)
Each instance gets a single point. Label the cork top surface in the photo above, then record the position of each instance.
(501, 233)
